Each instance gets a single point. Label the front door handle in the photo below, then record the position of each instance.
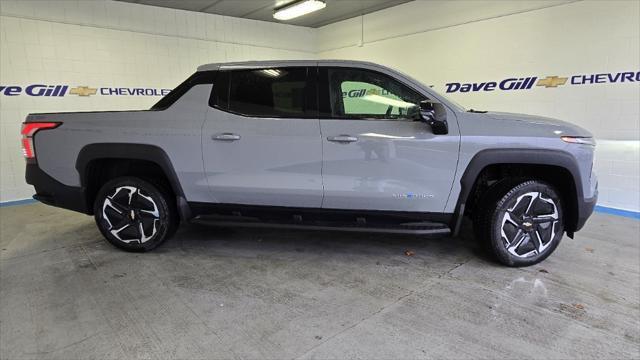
(343, 138)
(226, 137)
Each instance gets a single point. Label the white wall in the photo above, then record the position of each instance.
(439, 42)
(107, 43)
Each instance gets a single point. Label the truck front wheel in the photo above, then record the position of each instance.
(520, 222)
(133, 214)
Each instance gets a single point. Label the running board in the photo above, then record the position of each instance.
(415, 228)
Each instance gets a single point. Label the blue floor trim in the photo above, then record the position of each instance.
(618, 212)
(18, 202)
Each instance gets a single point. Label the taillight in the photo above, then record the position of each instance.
(28, 131)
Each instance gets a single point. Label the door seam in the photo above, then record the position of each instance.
(321, 162)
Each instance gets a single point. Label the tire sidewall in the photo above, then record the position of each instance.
(158, 196)
(508, 200)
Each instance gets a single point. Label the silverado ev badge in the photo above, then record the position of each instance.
(548, 82)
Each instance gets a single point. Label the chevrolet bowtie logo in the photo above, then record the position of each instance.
(83, 91)
(551, 81)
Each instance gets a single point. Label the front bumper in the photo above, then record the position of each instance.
(54, 193)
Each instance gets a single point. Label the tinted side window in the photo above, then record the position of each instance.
(365, 94)
(273, 92)
(220, 95)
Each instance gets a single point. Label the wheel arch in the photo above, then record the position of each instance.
(557, 167)
(139, 153)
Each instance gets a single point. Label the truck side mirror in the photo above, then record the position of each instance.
(434, 114)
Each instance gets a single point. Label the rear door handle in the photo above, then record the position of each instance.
(226, 137)
(343, 138)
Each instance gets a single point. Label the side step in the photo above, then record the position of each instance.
(416, 228)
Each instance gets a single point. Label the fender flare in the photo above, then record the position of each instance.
(488, 157)
(146, 152)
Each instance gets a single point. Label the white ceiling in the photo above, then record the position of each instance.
(336, 10)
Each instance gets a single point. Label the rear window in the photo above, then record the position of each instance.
(269, 92)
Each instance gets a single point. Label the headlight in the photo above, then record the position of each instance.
(583, 140)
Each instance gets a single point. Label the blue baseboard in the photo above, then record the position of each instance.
(18, 202)
(600, 209)
(618, 212)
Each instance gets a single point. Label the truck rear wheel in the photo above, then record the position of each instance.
(135, 215)
(520, 222)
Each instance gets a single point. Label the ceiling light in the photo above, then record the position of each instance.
(271, 72)
(298, 8)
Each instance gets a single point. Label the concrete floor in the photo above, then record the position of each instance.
(246, 293)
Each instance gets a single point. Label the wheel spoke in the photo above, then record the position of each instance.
(154, 208)
(116, 233)
(516, 237)
(554, 213)
(523, 204)
(540, 245)
(132, 192)
(122, 221)
(516, 242)
(543, 235)
(143, 236)
(512, 218)
(147, 215)
(543, 219)
(537, 241)
(115, 206)
(534, 197)
(117, 215)
(147, 222)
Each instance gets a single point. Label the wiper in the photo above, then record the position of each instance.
(477, 111)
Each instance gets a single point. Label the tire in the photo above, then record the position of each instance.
(520, 222)
(124, 204)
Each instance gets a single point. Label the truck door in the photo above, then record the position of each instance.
(377, 155)
(261, 139)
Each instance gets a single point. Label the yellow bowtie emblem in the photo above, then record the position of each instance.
(83, 91)
(552, 81)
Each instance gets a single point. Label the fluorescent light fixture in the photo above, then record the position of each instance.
(271, 72)
(298, 8)
(388, 101)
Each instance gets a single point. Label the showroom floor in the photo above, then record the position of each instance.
(219, 293)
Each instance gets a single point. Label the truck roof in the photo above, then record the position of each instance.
(278, 63)
(326, 62)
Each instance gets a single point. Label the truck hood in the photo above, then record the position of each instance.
(567, 128)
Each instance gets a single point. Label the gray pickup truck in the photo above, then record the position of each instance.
(339, 145)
